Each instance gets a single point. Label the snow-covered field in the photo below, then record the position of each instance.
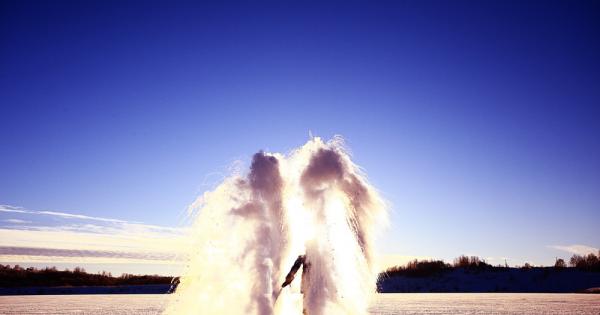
(403, 303)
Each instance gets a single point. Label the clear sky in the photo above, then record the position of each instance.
(478, 121)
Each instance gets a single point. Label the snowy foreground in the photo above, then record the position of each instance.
(407, 303)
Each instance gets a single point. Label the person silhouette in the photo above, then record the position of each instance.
(300, 261)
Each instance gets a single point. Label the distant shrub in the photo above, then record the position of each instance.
(472, 262)
(416, 268)
(589, 262)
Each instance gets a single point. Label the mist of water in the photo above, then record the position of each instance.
(248, 232)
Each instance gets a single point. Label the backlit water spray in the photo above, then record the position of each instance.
(251, 229)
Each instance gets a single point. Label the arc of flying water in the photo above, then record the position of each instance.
(250, 229)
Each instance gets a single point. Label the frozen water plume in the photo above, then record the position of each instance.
(312, 208)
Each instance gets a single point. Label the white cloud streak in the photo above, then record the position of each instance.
(576, 249)
(53, 252)
(7, 208)
(87, 239)
(16, 221)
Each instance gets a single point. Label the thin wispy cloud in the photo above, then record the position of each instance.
(69, 237)
(54, 252)
(79, 216)
(6, 208)
(81, 261)
(16, 221)
(576, 249)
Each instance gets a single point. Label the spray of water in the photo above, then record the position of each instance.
(251, 228)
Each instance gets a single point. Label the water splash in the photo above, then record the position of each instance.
(251, 228)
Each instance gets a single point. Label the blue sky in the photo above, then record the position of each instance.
(478, 121)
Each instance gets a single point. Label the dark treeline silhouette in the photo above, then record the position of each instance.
(589, 262)
(426, 268)
(16, 276)
(418, 268)
(471, 262)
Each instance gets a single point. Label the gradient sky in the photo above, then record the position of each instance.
(479, 121)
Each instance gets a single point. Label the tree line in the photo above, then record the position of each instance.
(589, 262)
(425, 268)
(17, 276)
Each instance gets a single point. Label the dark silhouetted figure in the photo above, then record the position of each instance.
(300, 261)
(290, 276)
